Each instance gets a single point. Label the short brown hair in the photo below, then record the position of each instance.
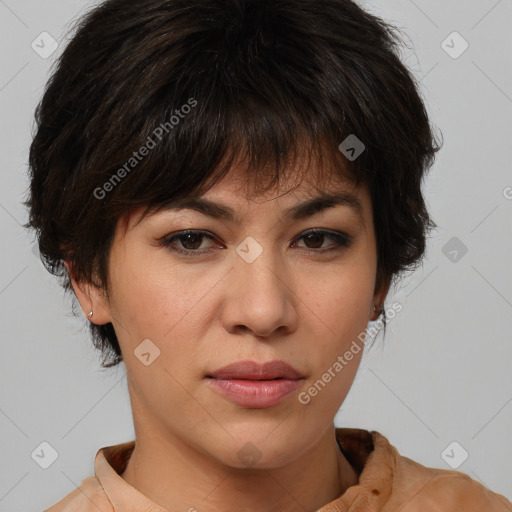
(259, 78)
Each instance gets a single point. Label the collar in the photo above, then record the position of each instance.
(369, 453)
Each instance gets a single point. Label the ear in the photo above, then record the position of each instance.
(379, 297)
(90, 299)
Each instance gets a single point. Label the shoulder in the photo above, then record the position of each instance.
(418, 487)
(458, 491)
(88, 497)
(388, 481)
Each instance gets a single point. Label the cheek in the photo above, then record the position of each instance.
(153, 299)
(337, 307)
(165, 307)
(171, 307)
(341, 298)
(337, 318)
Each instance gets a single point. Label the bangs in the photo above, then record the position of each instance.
(271, 135)
(246, 83)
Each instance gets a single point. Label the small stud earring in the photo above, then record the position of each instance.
(90, 314)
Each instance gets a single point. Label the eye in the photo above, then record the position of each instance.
(189, 242)
(314, 239)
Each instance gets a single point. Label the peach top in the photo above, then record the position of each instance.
(388, 482)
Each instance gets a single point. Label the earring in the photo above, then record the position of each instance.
(90, 314)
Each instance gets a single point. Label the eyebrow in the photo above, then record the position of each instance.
(299, 211)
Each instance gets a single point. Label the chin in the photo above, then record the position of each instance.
(254, 447)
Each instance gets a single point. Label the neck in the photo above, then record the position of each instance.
(178, 477)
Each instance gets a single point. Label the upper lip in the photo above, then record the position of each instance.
(250, 370)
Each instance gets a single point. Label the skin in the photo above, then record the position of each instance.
(206, 311)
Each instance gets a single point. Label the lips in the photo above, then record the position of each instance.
(250, 370)
(255, 386)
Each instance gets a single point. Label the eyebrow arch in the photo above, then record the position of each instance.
(299, 211)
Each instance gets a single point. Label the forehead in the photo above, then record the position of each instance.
(300, 191)
(298, 202)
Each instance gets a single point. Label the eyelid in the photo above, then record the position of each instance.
(341, 240)
(166, 239)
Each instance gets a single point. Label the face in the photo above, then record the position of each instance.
(276, 283)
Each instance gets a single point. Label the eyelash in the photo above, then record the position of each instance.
(341, 241)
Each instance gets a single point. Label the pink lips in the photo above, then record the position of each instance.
(254, 385)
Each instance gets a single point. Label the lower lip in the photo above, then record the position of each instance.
(255, 393)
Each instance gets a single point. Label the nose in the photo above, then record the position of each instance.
(260, 297)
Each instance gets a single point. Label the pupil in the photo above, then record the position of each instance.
(312, 236)
(192, 236)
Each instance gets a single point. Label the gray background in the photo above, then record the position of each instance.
(442, 374)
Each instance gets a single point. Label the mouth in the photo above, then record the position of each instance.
(252, 385)
(250, 370)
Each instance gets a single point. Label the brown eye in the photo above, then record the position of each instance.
(191, 241)
(314, 240)
(187, 242)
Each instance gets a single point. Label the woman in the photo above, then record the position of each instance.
(230, 188)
